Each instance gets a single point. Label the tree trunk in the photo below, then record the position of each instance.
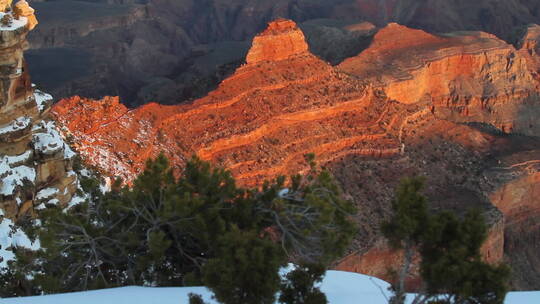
(400, 292)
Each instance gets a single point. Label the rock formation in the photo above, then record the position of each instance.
(281, 40)
(413, 66)
(23, 9)
(365, 121)
(35, 162)
(5, 4)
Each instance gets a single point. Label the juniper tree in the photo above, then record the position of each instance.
(312, 218)
(195, 299)
(312, 225)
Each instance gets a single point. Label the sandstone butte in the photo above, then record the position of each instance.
(458, 108)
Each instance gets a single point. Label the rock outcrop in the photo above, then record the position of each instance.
(5, 4)
(467, 77)
(35, 161)
(286, 102)
(281, 40)
(23, 9)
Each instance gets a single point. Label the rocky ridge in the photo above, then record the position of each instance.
(285, 102)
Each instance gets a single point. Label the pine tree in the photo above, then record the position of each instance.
(196, 228)
(452, 262)
(405, 229)
(299, 285)
(245, 270)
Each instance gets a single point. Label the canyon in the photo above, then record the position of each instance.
(170, 51)
(459, 108)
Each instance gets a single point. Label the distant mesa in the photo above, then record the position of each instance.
(281, 40)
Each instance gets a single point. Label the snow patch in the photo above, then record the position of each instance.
(16, 24)
(10, 177)
(339, 287)
(42, 99)
(20, 123)
(46, 193)
(11, 237)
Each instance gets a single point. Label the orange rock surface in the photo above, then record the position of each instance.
(281, 40)
(467, 76)
(399, 108)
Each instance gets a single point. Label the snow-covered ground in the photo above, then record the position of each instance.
(340, 288)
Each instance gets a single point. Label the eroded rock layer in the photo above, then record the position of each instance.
(365, 121)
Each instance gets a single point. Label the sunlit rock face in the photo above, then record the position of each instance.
(465, 76)
(35, 161)
(281, 40)
(364, 119)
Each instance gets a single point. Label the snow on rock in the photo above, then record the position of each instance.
(54, 201)
(19, 159)
(76, 200)
(10, 236)
(14, 177)
(50, 141)
(43, 100)
(20, 123)
(46, 193)
(16, 24)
